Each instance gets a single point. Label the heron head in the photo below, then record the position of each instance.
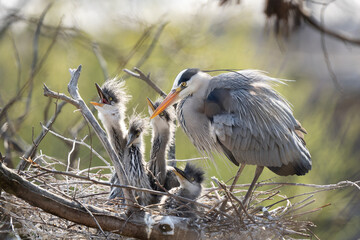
(191, 178)
(137, 126)
(112, 99)
(187, 82)
(165, 119)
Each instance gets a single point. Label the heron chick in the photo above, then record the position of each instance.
(163, 130)
(190, 187)
(134, 162)
(111, 112)
(240, 115)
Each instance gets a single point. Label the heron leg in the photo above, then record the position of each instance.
(258, 172)
(241, 168)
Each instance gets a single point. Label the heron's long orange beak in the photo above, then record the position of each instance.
(170, 98)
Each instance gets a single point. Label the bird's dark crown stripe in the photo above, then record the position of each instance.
(110, 94)
(188, 74)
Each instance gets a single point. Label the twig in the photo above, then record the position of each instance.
(140, 75)
(310, 211)
(79, 103)
(152, 45)
(340, 184)
(309, 18)
(78, 142)
(229, 198)
(93, 217)
(61, 96)
(32, 150)
(186, 160)
(325, 51)
(300, 207)
(97, 51)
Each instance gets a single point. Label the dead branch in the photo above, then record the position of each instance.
(134, 226)
(74, 141)
(152, 45)
(80, 104)
(103, 65)
(140, 75)
(30, 153)
(325, 51)
(320, 27)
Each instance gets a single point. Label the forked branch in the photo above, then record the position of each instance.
(78, 102)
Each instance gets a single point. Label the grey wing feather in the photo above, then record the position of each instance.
(255, 124)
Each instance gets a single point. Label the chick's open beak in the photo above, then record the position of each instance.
(150, 104)
(101, 95)
(169, 100)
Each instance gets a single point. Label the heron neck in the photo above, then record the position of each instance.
(157, 164)
(115, 132)
(190, 194)
(202, 88)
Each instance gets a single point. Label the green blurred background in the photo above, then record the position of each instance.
(163, 38)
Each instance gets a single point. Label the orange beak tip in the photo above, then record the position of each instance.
(97, 104)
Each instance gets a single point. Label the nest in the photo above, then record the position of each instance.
(220, 214)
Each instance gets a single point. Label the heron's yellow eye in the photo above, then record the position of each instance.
(110, 99)
(137, 134)
(161, 114)
(192, 179)
(183, 84)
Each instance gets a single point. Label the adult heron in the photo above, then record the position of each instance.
(240, 115)
(163, 130)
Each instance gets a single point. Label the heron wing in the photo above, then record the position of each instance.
(253, 124)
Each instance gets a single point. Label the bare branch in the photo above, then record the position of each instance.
(97, 51)
(152, 45)
(134, 226)
(79, 103)
(325, 52)
(32, 150)
(72, 141)
(318, 26)
(140, 75)
(61, 96)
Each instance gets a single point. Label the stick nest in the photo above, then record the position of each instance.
(269, 215)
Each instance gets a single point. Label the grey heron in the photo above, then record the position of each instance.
(133, 160)
(111, 112)
(190, 187)
(163, 130)
(240, 115)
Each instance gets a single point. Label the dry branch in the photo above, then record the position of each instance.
(30, 153)
(321, 28)
(78, 102)
(140, 75)
(133, 226)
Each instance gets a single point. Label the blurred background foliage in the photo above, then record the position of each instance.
(162, 38)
